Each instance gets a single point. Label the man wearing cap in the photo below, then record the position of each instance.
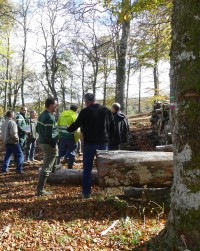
(98, 126)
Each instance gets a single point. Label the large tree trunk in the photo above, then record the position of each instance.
(125, 168)
(121, 67)
(183, 223)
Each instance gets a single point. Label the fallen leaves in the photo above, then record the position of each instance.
(66, 222)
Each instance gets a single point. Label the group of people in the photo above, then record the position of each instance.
(19, 136)
(100, 127)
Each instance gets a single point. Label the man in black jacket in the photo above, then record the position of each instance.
(122, 128)
(97, 125)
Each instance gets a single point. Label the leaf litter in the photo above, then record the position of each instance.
(64, 221)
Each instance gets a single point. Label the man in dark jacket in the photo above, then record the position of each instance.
(48, 137)
(122, 128)
(97, 125)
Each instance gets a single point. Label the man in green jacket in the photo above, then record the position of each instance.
(22, 125)
(68, 141)
(48, 137)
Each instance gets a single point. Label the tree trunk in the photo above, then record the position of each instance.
(105, 74)
(121, 67)
(127, 83)
(156, 80)
(23, 58)
(125, 168)
(82, 83)
(7, 84)
(183, 222)
(139, 97)
(70, 177)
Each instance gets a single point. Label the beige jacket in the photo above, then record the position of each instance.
(9, 132)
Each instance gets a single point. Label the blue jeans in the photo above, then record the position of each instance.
(89, 151)
(30, 149)
(16, 150)
(67, 148)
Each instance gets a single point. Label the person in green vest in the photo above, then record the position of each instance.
(22, 125)
(48, 138)
(68, 141)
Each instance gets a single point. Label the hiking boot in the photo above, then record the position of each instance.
(85, 196)
(56, 168)
(5, 172)
(64, 161)
(43, 193)
(40, 186)
(20, 172)
(28, 162)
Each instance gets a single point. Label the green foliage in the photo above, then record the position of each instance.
(1, 111)
(125, 10)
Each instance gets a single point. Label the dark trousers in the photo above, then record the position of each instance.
(67, 148)
(113, 147)
(89, 151)
(16, 150)
(30, 149)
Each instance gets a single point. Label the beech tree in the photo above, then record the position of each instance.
(183, 227)
(52, 27)
(155, 39)
(23, 11)
(6, 24)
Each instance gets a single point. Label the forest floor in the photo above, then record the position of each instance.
(65, 221)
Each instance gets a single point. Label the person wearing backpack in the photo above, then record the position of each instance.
(122, 128)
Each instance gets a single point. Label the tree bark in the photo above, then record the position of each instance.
(121, 66)
(125, 168)
(183, 223)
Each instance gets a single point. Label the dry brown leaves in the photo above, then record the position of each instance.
(65, 221)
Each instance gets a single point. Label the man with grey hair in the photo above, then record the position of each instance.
(122, 128)
(97, 125)
(10, 138)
